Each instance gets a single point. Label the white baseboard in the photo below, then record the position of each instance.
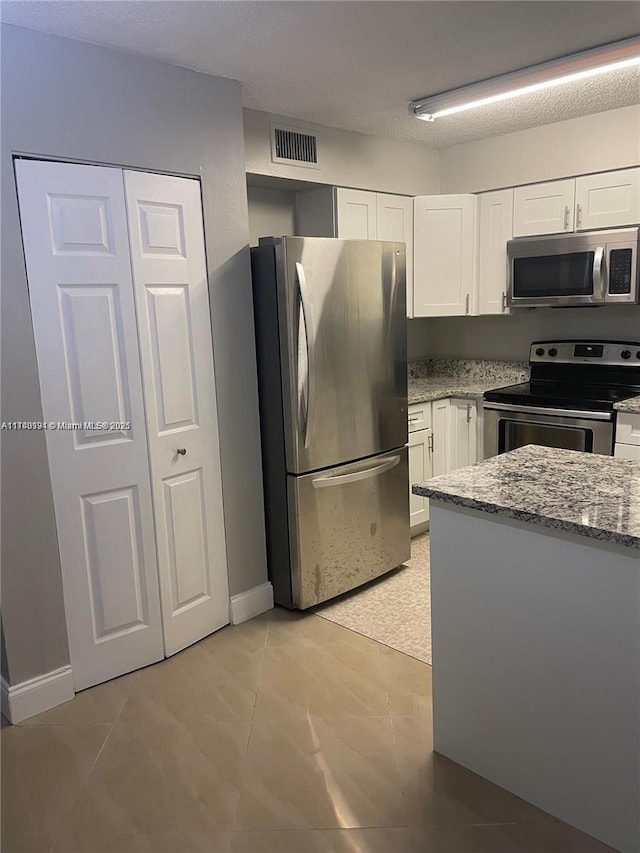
(21, 701)
(251, 603)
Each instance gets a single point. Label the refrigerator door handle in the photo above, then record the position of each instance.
(311, 348)
(343, 479)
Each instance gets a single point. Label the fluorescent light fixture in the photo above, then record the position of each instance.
(578, 66)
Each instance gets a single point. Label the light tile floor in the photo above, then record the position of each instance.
(287, 734)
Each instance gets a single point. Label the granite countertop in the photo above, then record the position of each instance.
(440, 378)
(584, 493)
(632, 405)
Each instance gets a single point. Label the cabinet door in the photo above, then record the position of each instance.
(463, 437)
(608, 200)
(441, 438)
(628, 428)
(543, 208)
(420, 469)
(496, 227)
(356, 214)
(395, 222)
(444, 246)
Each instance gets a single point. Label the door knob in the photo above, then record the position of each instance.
(181, 451)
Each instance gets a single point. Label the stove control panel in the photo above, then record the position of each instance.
(618, 353)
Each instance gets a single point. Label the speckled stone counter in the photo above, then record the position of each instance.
(584, 493)
(632, 406)
(437, 379)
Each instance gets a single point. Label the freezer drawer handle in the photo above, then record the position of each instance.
(311, 348)
(343, 479)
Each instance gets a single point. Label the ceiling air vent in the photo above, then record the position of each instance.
(289, 145)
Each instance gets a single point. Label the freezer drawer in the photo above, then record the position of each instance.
(347, 525)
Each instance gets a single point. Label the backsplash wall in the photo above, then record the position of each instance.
(508, 337)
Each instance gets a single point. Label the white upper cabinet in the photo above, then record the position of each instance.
(395, 223)
(496, 227)
(356, 214)
(608, 200)
(444, 254)
(604, 200)
(543, 208)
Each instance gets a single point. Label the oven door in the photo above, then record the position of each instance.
(508, 426)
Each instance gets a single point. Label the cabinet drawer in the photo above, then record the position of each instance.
(627, 451)
(419, 416)
(628, 428)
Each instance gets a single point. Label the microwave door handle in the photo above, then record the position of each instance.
(598, 277)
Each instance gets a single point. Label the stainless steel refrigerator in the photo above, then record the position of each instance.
(330, 319)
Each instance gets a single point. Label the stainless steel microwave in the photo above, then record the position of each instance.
(589, 268)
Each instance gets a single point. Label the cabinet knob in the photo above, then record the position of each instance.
(181, 451)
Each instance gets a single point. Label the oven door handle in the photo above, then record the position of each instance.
(549, 412)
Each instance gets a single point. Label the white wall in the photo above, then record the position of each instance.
(271, 213)
(592, 143)
(72, 100)
(346, 159)
(508, 338)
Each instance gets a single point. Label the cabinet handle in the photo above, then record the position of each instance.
(504, 302)
(566, 217)
(468, 413)
(414, 418)
(430, 442)
(578, 215)
(466, 304)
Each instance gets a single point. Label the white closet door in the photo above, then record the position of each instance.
(77, 254)
(170, 283)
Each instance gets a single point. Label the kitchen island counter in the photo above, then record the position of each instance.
(535, 609)
(584, 493)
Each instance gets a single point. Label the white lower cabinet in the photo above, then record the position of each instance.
(440, 422)
(627, 444)
(463, 428)
(443, 436)
(420, 469)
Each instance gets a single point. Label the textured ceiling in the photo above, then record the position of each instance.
(356, 64)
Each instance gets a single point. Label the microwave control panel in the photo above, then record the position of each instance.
(620, 271)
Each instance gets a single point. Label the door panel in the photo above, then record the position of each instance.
(186, 527)
(170, 284)
(92, 338)
(174, 368)
(77, 257)
(342, 304)
(347, 525)
(111, 524)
